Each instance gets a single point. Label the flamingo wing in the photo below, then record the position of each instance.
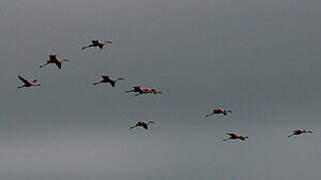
(95, 42)
(232, 134)
(58, 64)
(105, 77)
(137, 88)
(52, 57)
(297, 130)
(216, 111)
(112, 83)
(145, 126)
(23, 80)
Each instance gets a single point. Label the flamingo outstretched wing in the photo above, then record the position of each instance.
(23, 80)
(112, 83)
(145, 126)
(58, 64)
(52, 57)
(105, 77)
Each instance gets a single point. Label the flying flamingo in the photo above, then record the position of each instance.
(97, 43)
(28, 83)
(53, 59)
(235, 136)
(139, 90)
(143, 124)
(298, 132)
(219, 111)
(108, 79)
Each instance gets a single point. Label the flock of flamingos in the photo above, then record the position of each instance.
(53, 59)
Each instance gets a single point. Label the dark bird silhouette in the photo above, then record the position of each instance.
(219, 111)
(298, 132)
(139, 91)
(53, 59)
(28, 83)
(143, 124)
(108, 79)
(235, 136)
(97, 43)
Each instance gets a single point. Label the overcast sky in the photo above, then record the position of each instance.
(260, 58)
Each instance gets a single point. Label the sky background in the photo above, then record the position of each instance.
(260, 58)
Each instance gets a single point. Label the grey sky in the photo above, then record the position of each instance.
(259, 58)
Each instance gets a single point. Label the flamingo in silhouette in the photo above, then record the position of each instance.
(28, 83)
(219, 111)
(143, 124)
(298, 132)
(108, 79)
(140, 90)
(97, 43)
(53, 59)
(235, 136)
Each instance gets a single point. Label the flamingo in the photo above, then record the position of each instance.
(140, 90)
(28, 83)
(97, 43)
(219, 111)
(235, 136)
(298, 132)
(108, 79)
(143, 124)
(53, 59)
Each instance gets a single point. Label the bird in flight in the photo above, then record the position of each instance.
(28, 83)
(108, 79)
(139, 90)
(53, 59)
(235, 136)
(97, 43)
(298, 132)
(219, 111)
(143, 124)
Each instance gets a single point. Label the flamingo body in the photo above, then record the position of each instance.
(299, 132)
(235, 136)
(219, 111)
(140, 90)
(53, 59)
(28, 83)
(97, 43)
(143, 124)
(108, 79)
